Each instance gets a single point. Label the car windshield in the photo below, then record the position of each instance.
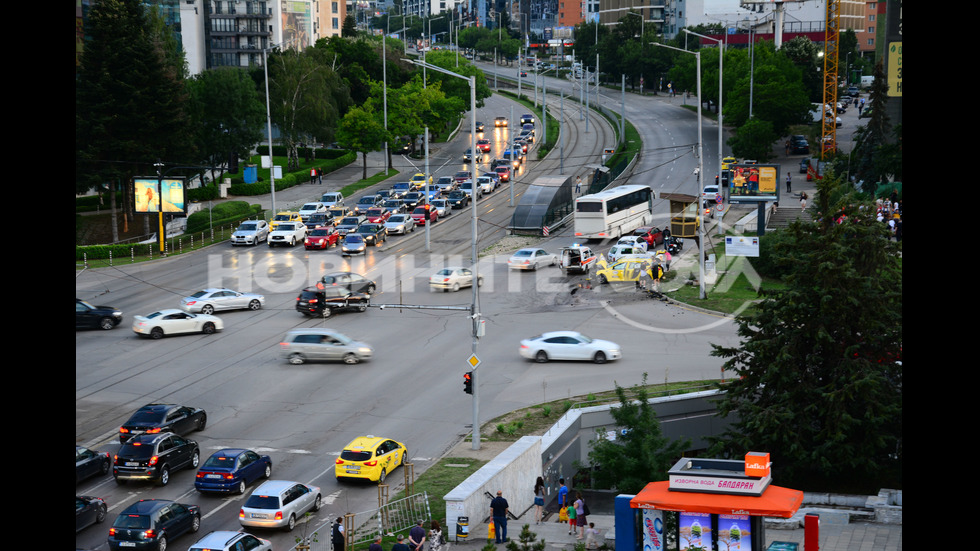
(446, 272)
(310, 206)
(320, 232)
(132, 522)
(136, 450)
(262, 502)
(219, 462)
(351, 455)
(397, 218)
(350, 221)
(200, 294)
(247, 227)
(287, 227)
(522, 253)
(353, 238)
(282, 217)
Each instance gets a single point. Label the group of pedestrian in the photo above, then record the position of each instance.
(889, 212)
(316, 175)
(417, 538)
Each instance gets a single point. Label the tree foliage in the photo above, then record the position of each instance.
(640, 453)
(754, 140)
(819, 371)
(876, 155)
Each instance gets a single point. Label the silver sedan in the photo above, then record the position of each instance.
(531, 259)
(569, 345)
(209, 301)
(400, 224)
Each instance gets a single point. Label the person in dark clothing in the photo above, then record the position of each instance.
(416, 537)
(376, 544)
(400, 545)
(498, 510)
(337, 535)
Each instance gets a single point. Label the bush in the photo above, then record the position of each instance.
(223, 213)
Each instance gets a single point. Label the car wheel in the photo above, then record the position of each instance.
(101, 514)
(291, 523)
(296, 358)
(317, 503)
(162, 544)
(208, 328)
(268, 471)
(202, 422)
(255, 305)
(207, 309)
(164, 476)
(599, 358)
(455, 287)
(362, 307)
(327, 311)
(292, 241)
(541, 357)
(370, 289)
(351, 358)
(479, 282)
(106, 323)
(195, 524)
(195, 459)
(603, 280)
(156, 333)
(241, 487)
(104, 470)
(404, 458)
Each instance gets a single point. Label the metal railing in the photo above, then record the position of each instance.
(361, 528)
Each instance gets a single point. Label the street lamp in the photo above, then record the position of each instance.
(268, 120)
(721, 57)
(700, 189)
(475, 306)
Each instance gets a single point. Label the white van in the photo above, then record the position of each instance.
(576, 258)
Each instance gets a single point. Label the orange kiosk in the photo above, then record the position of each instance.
(721, 504)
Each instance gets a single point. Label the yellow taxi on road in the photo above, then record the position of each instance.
(284, 216)
(628, 269)
(418, 181)
(727, 162)
(370, 457)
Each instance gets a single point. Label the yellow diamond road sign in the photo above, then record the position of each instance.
(473, 361)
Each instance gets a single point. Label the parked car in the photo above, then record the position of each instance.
(531, 259)
(154, 457)
(370, 458)
(651, 234)
(250, 232)
(453, 278)
(568, 345)
(89, 463)
(175, 322)
(288, 233)
(209, 301)
(302, 345)
(157, 418)
(152, 524)
(400, 224)
(230, 470)
(798, 145)
(89, 510)
(323, 302)
(279, 504)
(100, 317)
(321, 238)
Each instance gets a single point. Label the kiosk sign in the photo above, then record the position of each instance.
(754, 183)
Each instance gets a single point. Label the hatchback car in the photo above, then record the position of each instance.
(210, 300)
(483, 145)
(89, 463)
(321, 238)
(370, 458)
(175, 322)
(89, 510)
(568, 345)
(302, 345)
(231, 470)
(400, 224)
(425, 214)
(226, 540)
(101, 317)
(153, 457)
(453, 278)
(625, 270)
(353, 243)
(504, 172)
(152, 523)
(279, 504)
(531, 259)
(651, 234)
(157, 418)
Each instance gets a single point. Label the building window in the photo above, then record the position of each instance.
(334, 8)
(335, 23)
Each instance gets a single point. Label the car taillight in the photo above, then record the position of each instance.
(340, 461)
(154, 459)
(371, 463)
(123, 430)
(192, 303)
(278, 515)
(153, 431)
(241, 513)
(149, 534)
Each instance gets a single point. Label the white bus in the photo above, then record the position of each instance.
(613, 212)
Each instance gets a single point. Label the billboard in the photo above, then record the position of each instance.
(752, 183)
(155, 195)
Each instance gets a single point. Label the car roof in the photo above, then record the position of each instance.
(365, 442)
(219, 539)
(550, 334)
(229, 452)
(274, 487)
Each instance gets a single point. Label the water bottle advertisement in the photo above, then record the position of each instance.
(653, 530)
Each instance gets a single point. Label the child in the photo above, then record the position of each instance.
(571, 519)
(590, 537)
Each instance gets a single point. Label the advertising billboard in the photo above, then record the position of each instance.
(734, 532)
(695, 531)
(753, 183)
(154, 195)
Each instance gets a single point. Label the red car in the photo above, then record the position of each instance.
(419, 215)
(503, 172)
(483, 145)
(377, 215)
(323, 237)
(462, 176)
(651, 234)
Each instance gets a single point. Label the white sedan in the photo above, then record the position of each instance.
(175, 322)
(569, 345)
(210, 300)
(453, 279)
(531, 259)
(634, 241)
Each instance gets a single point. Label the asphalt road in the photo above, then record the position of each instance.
(411, 391)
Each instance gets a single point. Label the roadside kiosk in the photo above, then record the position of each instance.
(684, 219)
(720, 504)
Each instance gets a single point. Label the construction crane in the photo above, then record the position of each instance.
(828, 133)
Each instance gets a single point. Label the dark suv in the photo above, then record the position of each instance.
(798, 145)
(324, 300)
(154, 457)
(151, 523)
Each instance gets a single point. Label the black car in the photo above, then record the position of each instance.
(319, 219)
(320, 301)
(153, 457)
(98, 317)
(479, 126)
(88, 511)
(355, 283)
(89, 463)
(458, 199)
(374, 234)
(412, 200)
(157, 418)
(798, 145)
(152, 523)
(527, 118)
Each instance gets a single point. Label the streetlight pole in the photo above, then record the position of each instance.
(721, 119)
(268, 122)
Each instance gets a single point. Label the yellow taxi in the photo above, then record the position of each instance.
(418, 180)
(370, 457)
(628, 269)
(284, 216)
(727, 162)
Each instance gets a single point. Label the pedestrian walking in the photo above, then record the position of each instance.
(562, 494)
(498, 510)
(538, 500)
(578, 185)
(591, 537)
(580, 515)
(803, 198)
(789, 183)
(436, 539)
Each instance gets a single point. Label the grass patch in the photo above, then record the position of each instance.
(351, 189)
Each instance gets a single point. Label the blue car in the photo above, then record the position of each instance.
(231, 470)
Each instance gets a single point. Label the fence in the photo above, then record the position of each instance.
(361, 528)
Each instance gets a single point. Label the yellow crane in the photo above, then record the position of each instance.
(830, 69)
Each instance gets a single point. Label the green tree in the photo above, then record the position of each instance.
(754, 140)
(871, 140)
(818, 371)
(362, 131)
(228, 114)
(641, 453)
